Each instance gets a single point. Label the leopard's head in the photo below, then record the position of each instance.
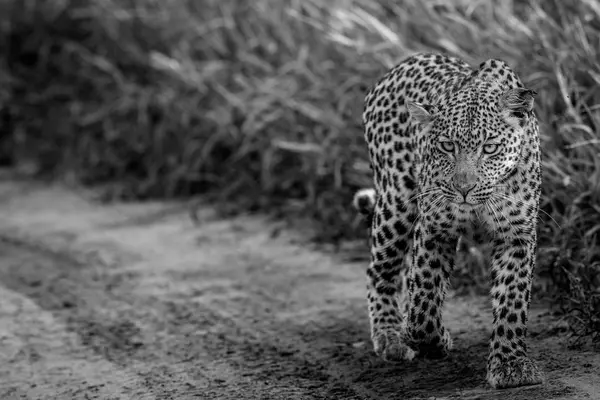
(473, 141)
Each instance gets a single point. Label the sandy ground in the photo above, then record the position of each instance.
(138, 302)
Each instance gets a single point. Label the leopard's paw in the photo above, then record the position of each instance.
(389, 343)
(435, 348)
(520, 371)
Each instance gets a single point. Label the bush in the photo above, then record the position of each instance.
(259, 102)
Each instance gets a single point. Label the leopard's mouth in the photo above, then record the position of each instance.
(468, 206)
(469, 201)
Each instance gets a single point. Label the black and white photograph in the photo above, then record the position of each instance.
(300, 199)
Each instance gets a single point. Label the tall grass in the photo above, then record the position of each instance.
(259, 102)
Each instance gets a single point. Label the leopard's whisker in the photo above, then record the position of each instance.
(509, 197)
(424, 193)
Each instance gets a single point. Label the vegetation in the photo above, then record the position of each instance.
(259, 102)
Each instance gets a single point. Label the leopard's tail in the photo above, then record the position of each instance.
(364, 202)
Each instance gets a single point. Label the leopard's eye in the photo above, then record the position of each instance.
(490, 148)
(447, 146)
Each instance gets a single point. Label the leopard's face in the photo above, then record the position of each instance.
(473, 144)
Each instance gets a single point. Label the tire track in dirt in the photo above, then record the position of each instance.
(36, 352)
(130, 338)
(225, 310)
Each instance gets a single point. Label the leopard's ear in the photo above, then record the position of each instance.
(422, 114)
(517, 102)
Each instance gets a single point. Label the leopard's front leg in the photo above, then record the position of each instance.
(512, 269)
(387, 291)
(432, 263)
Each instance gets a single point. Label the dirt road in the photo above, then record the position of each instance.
(137, 302)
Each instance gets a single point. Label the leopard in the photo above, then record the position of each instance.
(454, 152)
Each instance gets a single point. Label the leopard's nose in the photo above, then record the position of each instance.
(464, 189)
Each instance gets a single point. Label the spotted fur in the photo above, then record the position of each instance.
(454, 151)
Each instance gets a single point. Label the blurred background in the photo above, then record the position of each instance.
(258, 103)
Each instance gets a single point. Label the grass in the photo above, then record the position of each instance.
(259, 103)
